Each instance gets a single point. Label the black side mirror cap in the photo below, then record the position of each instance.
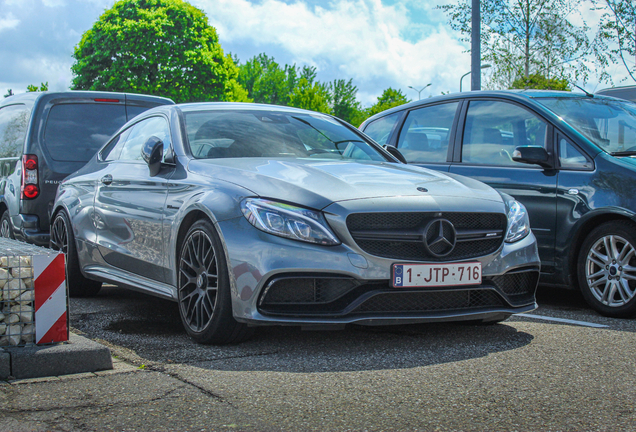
(535, 155)
(395, 153)
(152, 153)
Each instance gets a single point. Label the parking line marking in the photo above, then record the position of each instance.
(563, 320)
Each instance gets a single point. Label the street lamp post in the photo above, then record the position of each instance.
(419, 92)
(486, 66)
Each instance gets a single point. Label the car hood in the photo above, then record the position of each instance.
(318, 183)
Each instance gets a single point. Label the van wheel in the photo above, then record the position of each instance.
(607, 269)
(6, 230)
(62, 239)
(205, 300)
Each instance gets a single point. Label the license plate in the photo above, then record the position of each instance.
(436, 275)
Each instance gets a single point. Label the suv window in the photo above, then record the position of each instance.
(494, 129)
(74, 132)
(424, 136)
(139, 134)
(380, 129)
(14, 120)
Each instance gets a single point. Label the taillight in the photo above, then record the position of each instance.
(30, 187)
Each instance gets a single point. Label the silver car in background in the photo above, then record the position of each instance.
(252, 215)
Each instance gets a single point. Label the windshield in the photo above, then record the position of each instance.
(610, 124)
(234, 134)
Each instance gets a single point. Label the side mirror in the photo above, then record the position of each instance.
(395, 153)
(535, 155)
(152, 153)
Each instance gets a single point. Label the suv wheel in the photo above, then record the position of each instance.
(6, 230)
(205, 300)
(62, 239)
(607, 269)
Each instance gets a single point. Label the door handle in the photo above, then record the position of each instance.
(107, 179)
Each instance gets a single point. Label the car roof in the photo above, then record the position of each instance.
(525, 95)
(201, 106)
(33, 96)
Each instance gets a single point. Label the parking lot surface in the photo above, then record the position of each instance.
(564, 368)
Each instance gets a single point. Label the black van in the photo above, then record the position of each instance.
(46, 136)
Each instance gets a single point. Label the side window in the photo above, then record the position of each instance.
(424, 137)
(494, 129)
(380, 129)
(113, 149)
(571, 157)
(14, 120)
(139, 134)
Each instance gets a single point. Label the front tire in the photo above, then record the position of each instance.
(62, 239)
(607, 269)
(205, 299)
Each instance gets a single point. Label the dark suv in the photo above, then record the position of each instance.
(46, 136)
(569, 158)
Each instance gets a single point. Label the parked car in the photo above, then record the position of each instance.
(43, 138)
(626, 92)
(252, 214)
(569, 158)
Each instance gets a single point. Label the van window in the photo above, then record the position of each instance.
(380, 129)
(14, 120)
(426, 131)
(74, 132)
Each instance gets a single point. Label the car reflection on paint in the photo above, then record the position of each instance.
(251, 215)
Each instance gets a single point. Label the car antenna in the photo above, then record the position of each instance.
(588, 94)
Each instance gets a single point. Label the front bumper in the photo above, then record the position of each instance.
(280, 281)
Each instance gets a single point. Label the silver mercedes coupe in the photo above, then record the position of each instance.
(250, 215)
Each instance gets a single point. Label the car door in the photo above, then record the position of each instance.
(488, 135)
(426, 133)
(129, 204)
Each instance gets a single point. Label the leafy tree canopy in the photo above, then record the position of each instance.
(524, 37)
(537, 81)
(390, 98)
(310, 96)
(43, 87)
(158, 47)
(615, 41)
(268, 82)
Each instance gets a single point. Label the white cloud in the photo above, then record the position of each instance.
(360, 39)
(9, 22)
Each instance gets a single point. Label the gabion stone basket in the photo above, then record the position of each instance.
(33, 300)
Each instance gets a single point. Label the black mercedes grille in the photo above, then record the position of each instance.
(401, 235)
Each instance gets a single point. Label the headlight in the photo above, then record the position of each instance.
(518, 221)
(285, 220)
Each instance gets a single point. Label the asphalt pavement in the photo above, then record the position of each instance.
(528, 373)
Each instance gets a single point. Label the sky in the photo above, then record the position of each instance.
(377, 43)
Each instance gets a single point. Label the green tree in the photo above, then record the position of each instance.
(537, 81)
(266, 82)
(344, 103)
(43, 87)
(310, 96)
(615, 42)
(159, 47)
(524, 37)
(390, 98)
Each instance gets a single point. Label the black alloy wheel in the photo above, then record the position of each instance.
(62, 239)
(205, 302)
(607, 269)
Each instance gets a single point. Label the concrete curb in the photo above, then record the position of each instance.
(77, 356)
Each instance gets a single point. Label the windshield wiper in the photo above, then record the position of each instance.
(320, 132)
